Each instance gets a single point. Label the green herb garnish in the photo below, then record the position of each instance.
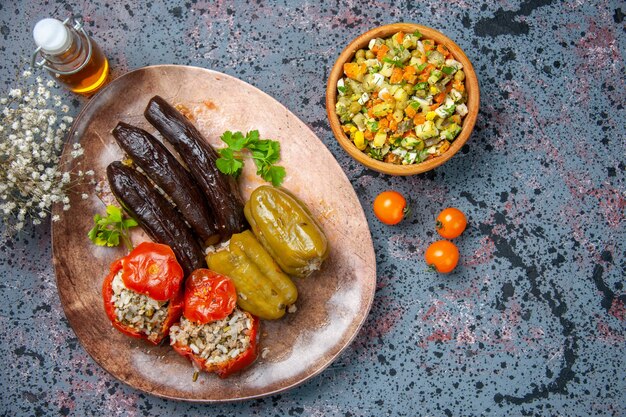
(264, 152)
(394, 62)
(417, 34)
(448, 70)
(421, 67)
(108, 230)
(342, 89)
(372, 126)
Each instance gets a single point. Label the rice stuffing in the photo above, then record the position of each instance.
(217, 341)
(138, 311)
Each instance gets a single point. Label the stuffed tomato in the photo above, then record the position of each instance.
(142, 293)
(213, 333)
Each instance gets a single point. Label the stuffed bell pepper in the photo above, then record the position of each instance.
(213, 333)
(142, 293)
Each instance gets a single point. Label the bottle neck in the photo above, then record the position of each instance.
(73, 56)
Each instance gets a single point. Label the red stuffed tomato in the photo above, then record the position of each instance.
(152, 269)
(132, 286)
(209, 296)
(213, 333)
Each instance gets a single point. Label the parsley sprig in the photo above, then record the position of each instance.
(264, 152)
(108, 230)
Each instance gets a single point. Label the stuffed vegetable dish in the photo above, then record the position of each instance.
(195, 216)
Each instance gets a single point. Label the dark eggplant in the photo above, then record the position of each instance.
(221, 190)
(163, 168)
(155, 214)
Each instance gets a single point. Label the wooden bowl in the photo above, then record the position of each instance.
(471, 86)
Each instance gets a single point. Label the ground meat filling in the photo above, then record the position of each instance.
(138, 311)
(218, 341)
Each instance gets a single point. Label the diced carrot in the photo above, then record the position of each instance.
(393, 125)
(443, 50)
(354, 70)
(428, 69)
(459, 86)
(422, 59)
(456, 119)
(410, 111)
(368, 135)
(448, 87)
(375, 95)
(439, 98)
(419, 119)
(370, 112)
(428, 45)
(383, 124)
(434, 106)
(375, 48)
(445, 145)
(410, 74)
(399, 37)
(396, 76)
(382, 51)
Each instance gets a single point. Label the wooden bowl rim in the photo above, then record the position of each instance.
(471, 84)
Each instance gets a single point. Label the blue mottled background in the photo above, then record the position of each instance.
(533, 320)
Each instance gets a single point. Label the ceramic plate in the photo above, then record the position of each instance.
(333, 302)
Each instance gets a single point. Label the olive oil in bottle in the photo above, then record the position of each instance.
(70, 55)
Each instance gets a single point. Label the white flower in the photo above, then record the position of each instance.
(32, 134)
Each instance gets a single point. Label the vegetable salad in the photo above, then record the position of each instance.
(402, 99)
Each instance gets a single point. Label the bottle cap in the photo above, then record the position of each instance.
(52, 36)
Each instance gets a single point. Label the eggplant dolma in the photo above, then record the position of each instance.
(162, 168)
(155, 214)
(221, 190)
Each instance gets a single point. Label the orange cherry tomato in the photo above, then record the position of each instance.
(442, 256)
(209, 296)
(451, 222)
(390, 207)
(152, 269)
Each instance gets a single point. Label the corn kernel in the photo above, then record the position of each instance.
(359, 140)
(431, 115)
(353, 129)
(433, 89)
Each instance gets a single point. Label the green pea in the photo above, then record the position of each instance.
(360, 54)
(459, 76)
(355, 107)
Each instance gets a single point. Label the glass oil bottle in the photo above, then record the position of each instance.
(70, 55)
